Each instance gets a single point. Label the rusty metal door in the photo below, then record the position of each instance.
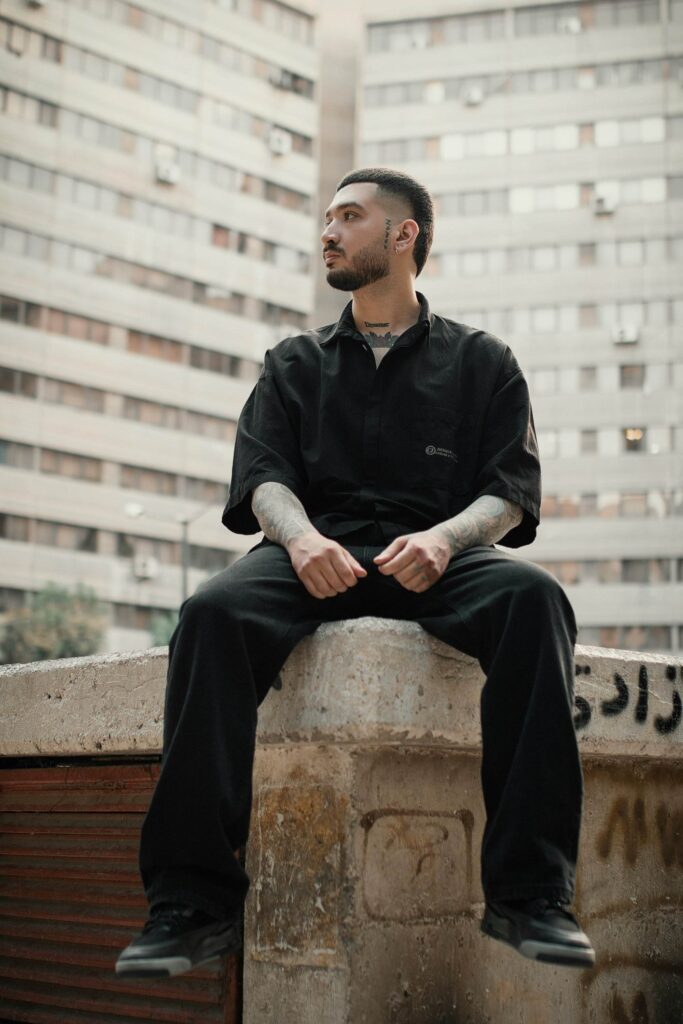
(71, 899)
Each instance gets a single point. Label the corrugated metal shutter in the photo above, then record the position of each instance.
(71, 899)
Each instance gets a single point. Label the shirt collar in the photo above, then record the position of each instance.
(347, 325)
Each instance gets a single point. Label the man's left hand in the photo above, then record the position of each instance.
(417, 560)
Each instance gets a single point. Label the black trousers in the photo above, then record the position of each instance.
(235, 633)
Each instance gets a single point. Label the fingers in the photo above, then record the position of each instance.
(390, 551)
(332, 574)
(399, 557)
(317, 585)
(411, 562)
(347, 567)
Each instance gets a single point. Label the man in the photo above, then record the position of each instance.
(382, 457)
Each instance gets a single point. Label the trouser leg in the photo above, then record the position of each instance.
(232, 638)
(515, 618)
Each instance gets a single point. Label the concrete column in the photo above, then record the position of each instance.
(368, 818)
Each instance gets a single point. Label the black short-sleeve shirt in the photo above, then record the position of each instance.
(443, 419)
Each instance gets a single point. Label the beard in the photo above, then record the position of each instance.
(367, 266)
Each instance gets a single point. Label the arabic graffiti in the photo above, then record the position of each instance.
(619, 703)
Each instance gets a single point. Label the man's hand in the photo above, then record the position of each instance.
(324, 567)
(416, 560)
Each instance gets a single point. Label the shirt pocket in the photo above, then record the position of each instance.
(441, 450)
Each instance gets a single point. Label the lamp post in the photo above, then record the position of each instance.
(135, 511)
(184, 553)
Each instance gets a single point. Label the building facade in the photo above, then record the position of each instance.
(158, 189)
(551, 135)
(159, 174)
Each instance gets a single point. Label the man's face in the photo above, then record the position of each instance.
(356, 246)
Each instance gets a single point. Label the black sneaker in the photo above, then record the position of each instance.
(540, 929)
(177, 938)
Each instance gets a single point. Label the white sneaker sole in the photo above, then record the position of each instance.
(560, 953)
(160, 966)
(555, 953)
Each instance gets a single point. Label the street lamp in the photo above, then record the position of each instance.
(135, 511)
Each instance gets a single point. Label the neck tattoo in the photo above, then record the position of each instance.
(380, 343)
(368, 324)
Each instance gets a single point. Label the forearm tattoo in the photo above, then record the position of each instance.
(280, 514)
(485, 521)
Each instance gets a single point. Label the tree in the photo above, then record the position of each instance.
(54, 623)
(161, 626)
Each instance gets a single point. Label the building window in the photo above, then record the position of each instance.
(132, 616)
(17, 382)
(151, 480)
(62, 535)
(11, 599)
(632, 376)
(563, 18)
(589, 442)
(66, 464)
(75, 395)
(633, 505)
(588, 505)
(12, 453)
(588, 378)
(13, 527)
(152, 413)
(634, 439)
(635, 570)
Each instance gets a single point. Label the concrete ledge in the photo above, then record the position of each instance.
(365, 679)
(107, 704)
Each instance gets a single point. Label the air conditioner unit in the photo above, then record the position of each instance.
(625, 334)
(166, 167)
(279, 142)
(281, 79)
(145, 568)
(603, 205)
(167, 172)
(473, 96)
(570, 25)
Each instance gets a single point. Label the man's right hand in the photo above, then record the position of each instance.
(324, 567)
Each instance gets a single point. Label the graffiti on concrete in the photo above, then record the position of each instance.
(637, 696)
(638, 1013)
(662, 826)
(430, 851)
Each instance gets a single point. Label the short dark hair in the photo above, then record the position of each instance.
(396, 183)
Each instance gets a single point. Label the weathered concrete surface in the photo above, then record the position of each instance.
(398, 685)
(395, 750)
(108, 704)
(367, 823)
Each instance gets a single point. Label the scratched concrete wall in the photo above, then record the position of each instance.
(364, 850)
(367, 827)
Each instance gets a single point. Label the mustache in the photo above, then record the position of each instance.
(331, 248)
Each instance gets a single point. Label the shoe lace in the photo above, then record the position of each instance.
(166, 916)
(545, 907)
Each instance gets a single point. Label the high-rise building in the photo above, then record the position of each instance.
(551, 135)
(158, 189)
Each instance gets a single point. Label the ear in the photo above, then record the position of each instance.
(408, 230)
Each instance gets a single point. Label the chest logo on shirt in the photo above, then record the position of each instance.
(432, 449)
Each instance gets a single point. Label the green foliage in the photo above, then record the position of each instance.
(161, 627)
(55, 623)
